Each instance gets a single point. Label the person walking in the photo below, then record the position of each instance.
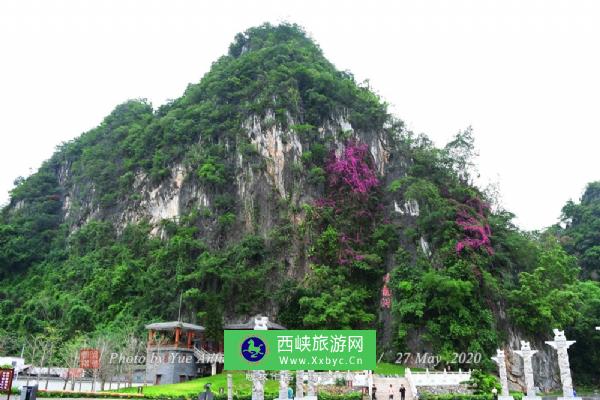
(391, 392)
(207, 394)
(402, 392)
(373, 391)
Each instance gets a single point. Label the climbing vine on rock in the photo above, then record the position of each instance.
(471, 218)
(350, 244)
(352, 170)
(353, 199)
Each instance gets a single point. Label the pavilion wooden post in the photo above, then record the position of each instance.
(150, 337)
(190, 337)
(177, 336)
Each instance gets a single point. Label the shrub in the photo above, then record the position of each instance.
(395, 185)
(212, 171)
(482, 383)
(107, 395)
(457, 396)
(316, 175)
(345, 396)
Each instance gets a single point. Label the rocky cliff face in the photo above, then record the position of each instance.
(257, 191)
(545, 364)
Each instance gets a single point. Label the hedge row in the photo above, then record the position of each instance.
(457, 396)
(268, 396)
(69, 394)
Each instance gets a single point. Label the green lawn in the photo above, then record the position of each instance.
(240, 384)
(195, 386)
(385, 368)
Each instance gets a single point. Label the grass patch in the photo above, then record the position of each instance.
(386, 368)
(241, 386)
(73, 394)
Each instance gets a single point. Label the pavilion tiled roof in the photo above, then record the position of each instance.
(167, 326)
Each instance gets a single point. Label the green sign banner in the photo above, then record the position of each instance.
(277, 350)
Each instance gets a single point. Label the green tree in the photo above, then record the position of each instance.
(548, 296)
(581, 235)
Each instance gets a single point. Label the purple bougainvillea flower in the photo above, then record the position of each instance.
(352, 169)
(471, 218)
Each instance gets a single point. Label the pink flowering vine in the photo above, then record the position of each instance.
(471, 218)
(352, 169)
(322, 202)
(350, 174)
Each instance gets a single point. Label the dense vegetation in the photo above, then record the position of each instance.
(460, 272)
(581, 235)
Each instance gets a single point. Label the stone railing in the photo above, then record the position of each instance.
(411, 383)
(205, 357)
(435, 378)
(358, 378)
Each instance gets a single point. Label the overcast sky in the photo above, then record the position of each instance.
(524, 74)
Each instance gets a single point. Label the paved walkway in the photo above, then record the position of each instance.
(383, 387)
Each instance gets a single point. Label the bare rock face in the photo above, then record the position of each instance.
(545, 364)
(277, 146)
(157, 203)
(154, 202)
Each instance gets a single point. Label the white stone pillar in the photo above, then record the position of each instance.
(213, 369)
(229, 387)
(526, 354)
(258, 377)
(501, 361)
(349, 379)
(312, 386)
(284, 377)
(258, 388)
(299, 395)
(370, 383)
(561, 345)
